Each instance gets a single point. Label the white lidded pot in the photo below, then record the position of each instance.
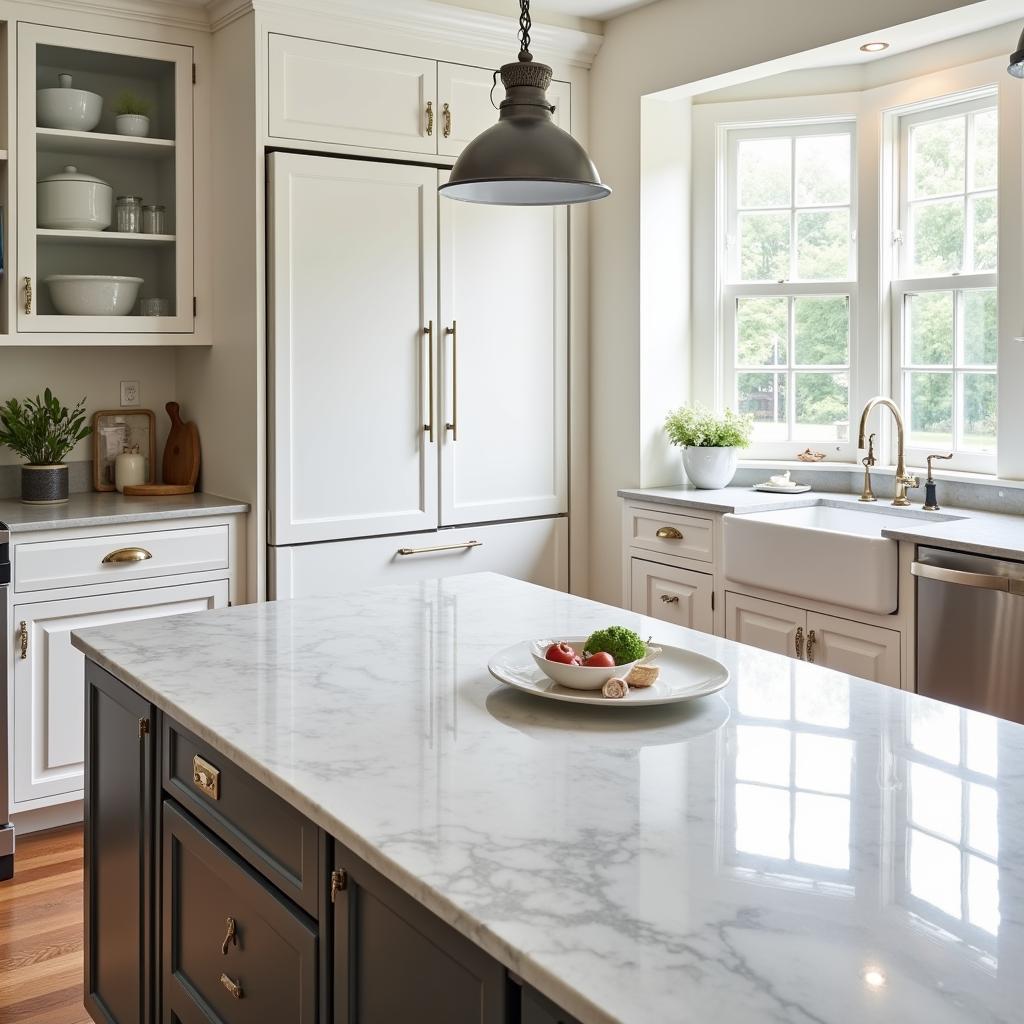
(73, 201)
(67, 108)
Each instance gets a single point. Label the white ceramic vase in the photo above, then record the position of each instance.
(132, 124)
(710, 468)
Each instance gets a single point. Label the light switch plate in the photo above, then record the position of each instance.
(129, 393)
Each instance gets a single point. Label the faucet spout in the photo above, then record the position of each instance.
(902, 480)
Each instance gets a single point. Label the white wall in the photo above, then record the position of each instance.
(671, 43)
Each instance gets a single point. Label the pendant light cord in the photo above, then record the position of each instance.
(525, 24)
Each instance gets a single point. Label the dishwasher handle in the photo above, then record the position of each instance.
(962, 578)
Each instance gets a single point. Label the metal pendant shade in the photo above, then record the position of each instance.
(525, 159)
(1016, 67)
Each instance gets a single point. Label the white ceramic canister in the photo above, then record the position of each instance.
(73, 201)
(129, 469)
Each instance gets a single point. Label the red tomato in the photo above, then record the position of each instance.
(600, 660)
(563, 654)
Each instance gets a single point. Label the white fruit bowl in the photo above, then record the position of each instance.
(576, 677)
(70, 109)
(93, 294)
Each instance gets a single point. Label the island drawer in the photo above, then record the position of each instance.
(230, 945)
(667, 533)
(256, 823)
(114, 558)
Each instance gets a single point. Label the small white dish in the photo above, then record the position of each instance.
(685, 675)
(775, 489)
(575, 677)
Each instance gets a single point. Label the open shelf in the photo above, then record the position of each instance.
(57, 236)
(60, 140)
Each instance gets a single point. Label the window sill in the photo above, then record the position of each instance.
(979, 479)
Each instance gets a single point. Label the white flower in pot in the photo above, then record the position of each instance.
(132, 114)
(43, 432)
(711, 443)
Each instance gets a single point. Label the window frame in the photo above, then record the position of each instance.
(731, 290)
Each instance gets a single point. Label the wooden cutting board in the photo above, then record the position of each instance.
(181, 459)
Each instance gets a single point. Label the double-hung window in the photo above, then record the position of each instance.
(789, 284)
(945, 336)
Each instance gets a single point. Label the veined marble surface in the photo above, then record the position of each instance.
(804, 847)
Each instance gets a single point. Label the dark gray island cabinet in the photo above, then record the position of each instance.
(209, 898)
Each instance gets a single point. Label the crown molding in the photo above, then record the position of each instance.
(186, 14)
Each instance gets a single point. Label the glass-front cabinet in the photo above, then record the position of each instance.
(104, 186)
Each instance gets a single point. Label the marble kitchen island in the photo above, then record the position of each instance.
(803, 847)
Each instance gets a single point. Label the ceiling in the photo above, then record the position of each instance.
(597, 9)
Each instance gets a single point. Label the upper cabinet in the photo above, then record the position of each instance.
(105, 217)
(337, 95)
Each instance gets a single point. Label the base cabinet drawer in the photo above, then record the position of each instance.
(232, 950)
(674, 595)
(535, 550)
(668, 533)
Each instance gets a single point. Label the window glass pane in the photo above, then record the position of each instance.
(763, 396)
(937, 237)
(822, 331)
(822, 406)
(762, 331)
(984, 155)
(821, 831)
(983, 895)
(984, 229)
(823, 763)
(823, 170)
(981, 335)
(764, 246)
(764, 171)
(931, 410)
(937, 157)
(935, 798)
(935, 872)
(982, 744)
(978, 432)
(822, 702)
(823, 245)
(983, 813)
(762, 754)
(762, 821)
(935, 730)
(930, 328)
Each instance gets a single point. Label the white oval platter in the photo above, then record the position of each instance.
(685, 675)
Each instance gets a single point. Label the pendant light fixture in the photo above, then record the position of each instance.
(525, 159)
(1016, 67)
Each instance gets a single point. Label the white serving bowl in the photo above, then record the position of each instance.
(576, 677)
(70, 109)
(93, 294)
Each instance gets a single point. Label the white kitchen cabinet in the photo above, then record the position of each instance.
(350, 96)
(48, 689)
(765, 624)
(674, 595)
(353, 286)
(158, 167)
(535, 550)
(856, 648)
(504, 356)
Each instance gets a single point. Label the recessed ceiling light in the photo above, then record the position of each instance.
(874, 47)
(874, 978)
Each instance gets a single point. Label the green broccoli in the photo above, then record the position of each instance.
(622, 644)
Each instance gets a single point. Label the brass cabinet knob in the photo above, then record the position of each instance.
(125, 555)
(668, 533)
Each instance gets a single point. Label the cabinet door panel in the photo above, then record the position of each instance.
(673, 595)
(765, 624)
(349, 96)
(48, 695)
(353, 287)
(871, 652)
(504, 288)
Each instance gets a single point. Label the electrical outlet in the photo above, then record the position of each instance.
(129, 393)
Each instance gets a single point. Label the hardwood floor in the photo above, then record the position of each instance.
(41, 931)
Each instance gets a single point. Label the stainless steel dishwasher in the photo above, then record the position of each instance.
(970, 631)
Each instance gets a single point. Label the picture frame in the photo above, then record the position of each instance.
(112, 431)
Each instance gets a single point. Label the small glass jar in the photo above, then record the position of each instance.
(154, 307)
(154, 220)
(129, 214)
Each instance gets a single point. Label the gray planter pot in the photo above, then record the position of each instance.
(44, 485)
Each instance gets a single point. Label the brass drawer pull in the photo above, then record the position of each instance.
(670, 600)
(23, 637)
(446, 112)
(811, 641)
(205, 777)
(232, 986)
(123, 556)
(28, 294)
(430, 117)
(231, 939)
(442, 547)
(799, 641)
(669, 533)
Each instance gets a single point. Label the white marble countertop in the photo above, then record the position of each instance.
(804, 847)
(961, 529)
(92, 508)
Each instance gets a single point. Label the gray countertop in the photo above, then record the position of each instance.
(958, 529)
(91, 508)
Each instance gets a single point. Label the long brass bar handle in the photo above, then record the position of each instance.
(669, 533)
(428, 427)
(23, 637)
(28, 294)
(125, 555)
(799, 642)
(811, 641)
(453, 426)
(430, 117)
(441, 547)
(446, 113)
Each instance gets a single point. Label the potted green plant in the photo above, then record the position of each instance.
(710, 443)
(131, 114)
(43, 432)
